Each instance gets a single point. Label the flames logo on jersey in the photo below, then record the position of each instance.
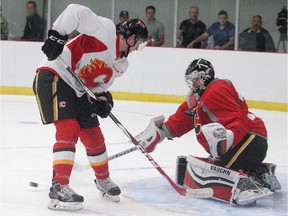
(95, 73)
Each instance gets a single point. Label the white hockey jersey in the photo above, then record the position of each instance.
(92, 55)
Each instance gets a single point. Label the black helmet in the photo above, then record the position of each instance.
(199, 74)
(134, 26)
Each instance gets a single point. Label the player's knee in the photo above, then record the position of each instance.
(92, 137)
(67, 130)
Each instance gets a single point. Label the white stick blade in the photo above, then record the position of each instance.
(200, 193)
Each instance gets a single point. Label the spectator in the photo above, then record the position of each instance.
(33, 30)
(4, 26)
(256, 38)
(190, 29)
(223, 33)
(155, 28)
(123, 16)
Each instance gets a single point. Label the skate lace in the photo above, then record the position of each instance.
(66, 191)
(107, 183)
(248, 184)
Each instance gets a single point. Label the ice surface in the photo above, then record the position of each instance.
(26, 156)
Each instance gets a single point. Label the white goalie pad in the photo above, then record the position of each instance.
(227, 185)
(152, 135)
(205, 173)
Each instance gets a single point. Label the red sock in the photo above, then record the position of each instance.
(93, 140)
(67, 133)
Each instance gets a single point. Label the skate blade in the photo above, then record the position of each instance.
(108, 197)
(56, 204)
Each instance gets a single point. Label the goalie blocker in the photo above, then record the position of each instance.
(227, 185)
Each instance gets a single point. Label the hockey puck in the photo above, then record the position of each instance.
(33, 184)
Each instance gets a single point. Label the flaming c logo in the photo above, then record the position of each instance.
(96, 72)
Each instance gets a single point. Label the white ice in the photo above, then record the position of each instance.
(26, 156)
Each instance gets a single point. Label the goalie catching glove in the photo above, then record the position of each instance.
(152, 135)
(218, 138)
(103, 105)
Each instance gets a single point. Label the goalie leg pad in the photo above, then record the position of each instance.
(227, 185)
(201, 173)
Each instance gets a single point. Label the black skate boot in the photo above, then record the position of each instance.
(247, 191)
(108, 189)
(264, 174)
(64, 198)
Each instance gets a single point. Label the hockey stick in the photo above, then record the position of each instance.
(86, 89)
(79, 168)
(200, 193)
(124, 152)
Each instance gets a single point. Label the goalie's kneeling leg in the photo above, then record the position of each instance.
(227, 185)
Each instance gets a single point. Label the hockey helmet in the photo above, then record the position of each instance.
(134, 26)
(199, 74)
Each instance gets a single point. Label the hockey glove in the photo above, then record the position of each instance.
(219, 139)
(103, 104)
(152, 135)
(54, 45)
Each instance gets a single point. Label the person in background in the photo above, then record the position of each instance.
(155, 28)
(190, 29)
(223, 33)
(4, 26)
(33, 30)
(123, 16)
(256, 38)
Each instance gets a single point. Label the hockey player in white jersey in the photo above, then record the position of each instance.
(97, 55)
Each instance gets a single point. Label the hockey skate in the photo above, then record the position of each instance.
(108, 189)
(64, 198)
(247, 191)
(265, 175)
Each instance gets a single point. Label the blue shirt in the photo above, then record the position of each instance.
(221, 37)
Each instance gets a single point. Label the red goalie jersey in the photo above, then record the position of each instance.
(221, 103)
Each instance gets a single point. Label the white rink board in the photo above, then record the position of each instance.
(257, 76)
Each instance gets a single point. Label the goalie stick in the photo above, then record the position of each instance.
(79, 168)
(199, 193)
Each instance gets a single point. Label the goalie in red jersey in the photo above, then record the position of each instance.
(234, 137)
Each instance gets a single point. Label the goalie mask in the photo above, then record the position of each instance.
(199, 74)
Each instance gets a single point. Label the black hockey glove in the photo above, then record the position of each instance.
(54, 45)
(104, 104)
